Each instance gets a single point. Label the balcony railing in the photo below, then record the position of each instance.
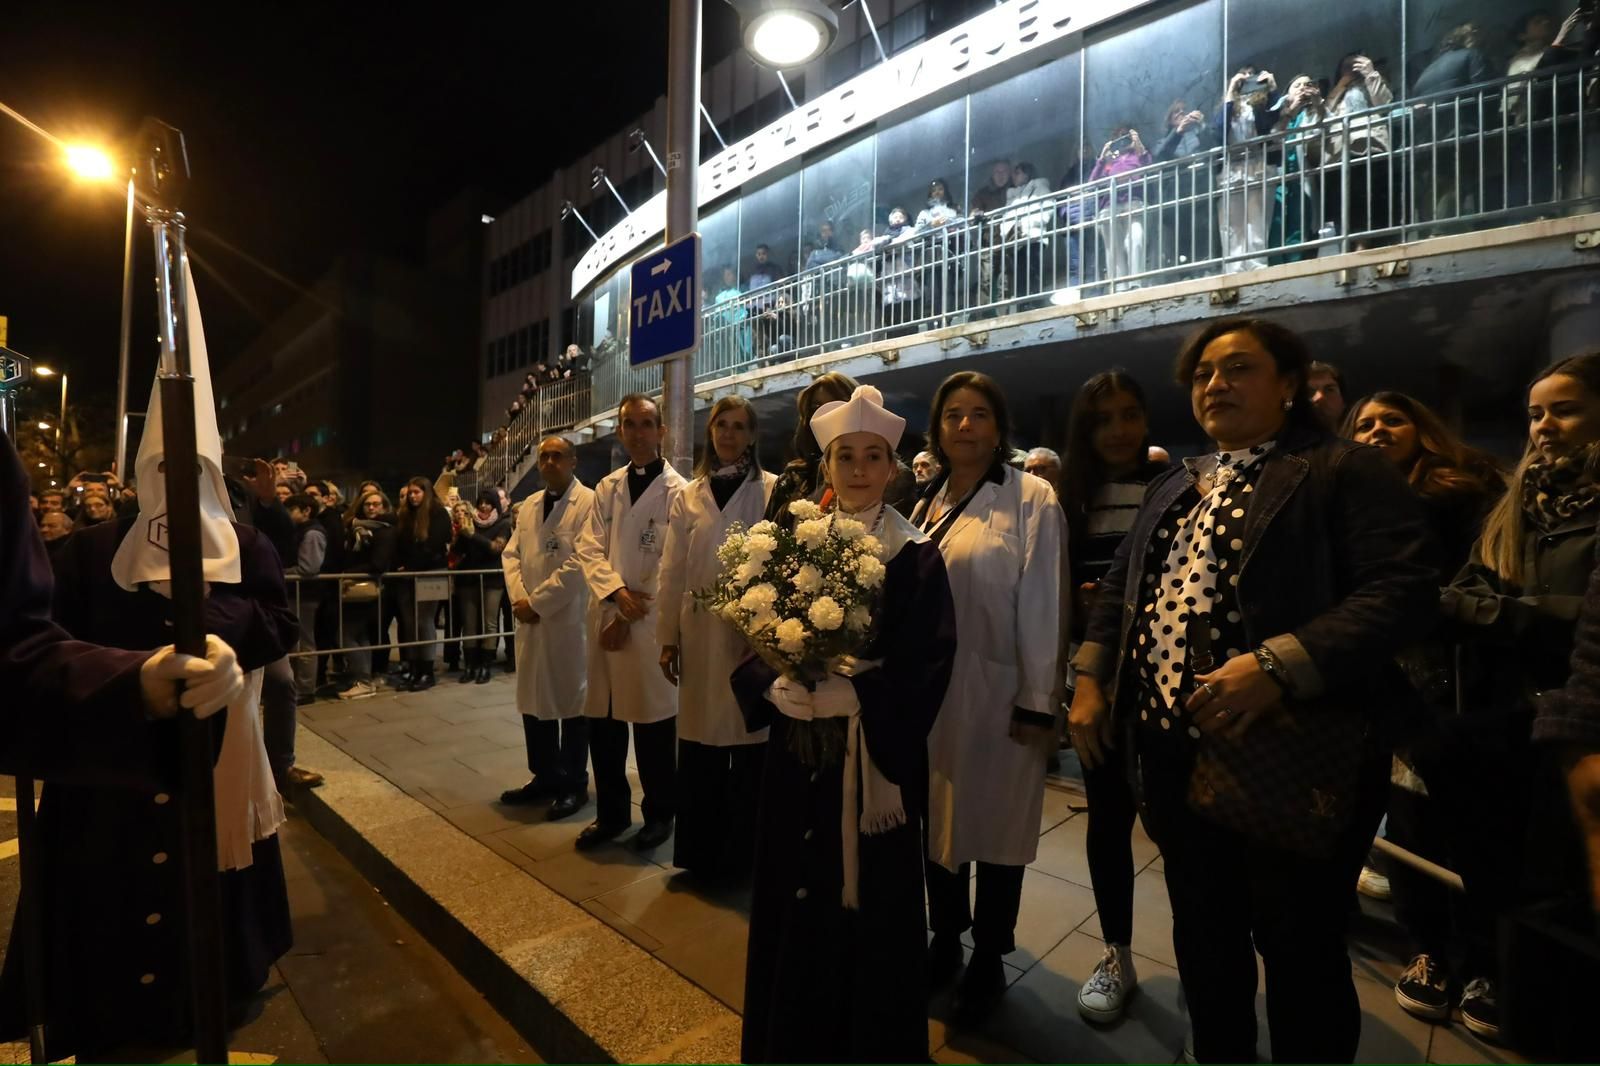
(554, 407)
(1496, 154)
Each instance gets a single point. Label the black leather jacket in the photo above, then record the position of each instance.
(1333, 575)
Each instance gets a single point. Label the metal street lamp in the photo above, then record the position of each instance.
(786, 33)
(596, 176)
(637, 140)
(50, 372)
(570, 210)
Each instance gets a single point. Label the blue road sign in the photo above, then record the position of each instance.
(664, 319)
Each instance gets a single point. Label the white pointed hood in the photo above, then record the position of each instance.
(142, 556)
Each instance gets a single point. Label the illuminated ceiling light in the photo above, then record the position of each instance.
(787, 33)
(90, 163)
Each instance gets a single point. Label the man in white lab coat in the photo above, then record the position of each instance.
(620, 551)
(550, 599)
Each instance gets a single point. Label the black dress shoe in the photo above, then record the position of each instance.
(484, 676)
(653, 835)
(526, 796)
(422, 682)
(944, 959)
(568, 804)
(979, 991)
(598, 833)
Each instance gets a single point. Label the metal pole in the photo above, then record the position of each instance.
(127, 328)
(165, 178)
(61, 456)
(683, 169)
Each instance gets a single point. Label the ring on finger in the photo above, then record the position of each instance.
(1206, 687)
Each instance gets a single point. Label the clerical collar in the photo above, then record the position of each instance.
(639, 478)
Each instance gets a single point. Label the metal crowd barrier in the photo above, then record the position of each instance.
(417, 591)
(1502, 152)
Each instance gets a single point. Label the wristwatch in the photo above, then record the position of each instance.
(1273, 667)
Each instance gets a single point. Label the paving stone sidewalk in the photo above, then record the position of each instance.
(456, 747)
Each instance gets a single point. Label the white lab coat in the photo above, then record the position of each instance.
(621, 546)
(708, 647)
(1003, 555)
(541, 566)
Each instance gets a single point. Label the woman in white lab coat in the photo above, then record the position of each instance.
(620, 551)
(1000, 532)
(719, 760)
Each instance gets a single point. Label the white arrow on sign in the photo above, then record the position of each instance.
(661, 267)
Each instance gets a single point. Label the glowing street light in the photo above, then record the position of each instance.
(787, 33)
(90, 163)
(44, 426)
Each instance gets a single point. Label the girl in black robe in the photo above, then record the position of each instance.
(827, 982)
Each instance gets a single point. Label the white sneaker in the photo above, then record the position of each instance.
(1372, 884)
(359, 691)
(1106, 992)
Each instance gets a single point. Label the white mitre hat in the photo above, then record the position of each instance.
(862, 413)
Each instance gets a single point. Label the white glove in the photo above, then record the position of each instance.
(835, 697)
(210, 684)
(792, 698)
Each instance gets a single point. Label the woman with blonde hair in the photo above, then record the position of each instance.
(719, 760)
(1514, 608)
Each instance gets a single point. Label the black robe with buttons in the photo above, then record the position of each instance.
(113, 903)
(822, 983)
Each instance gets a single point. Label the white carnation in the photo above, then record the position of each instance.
(812, 533)
(759, 598)
(764, 527)
(826, 614)
(730, 611)
(808, 579)
(791, 634)
(805, 509)
(849, 528)
(870, 545)
(869, 571)
(748, 571)
(760, 544)
(859, 620)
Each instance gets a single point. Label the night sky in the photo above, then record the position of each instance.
(311, 130)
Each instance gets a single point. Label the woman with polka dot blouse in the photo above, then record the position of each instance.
(1248, 665)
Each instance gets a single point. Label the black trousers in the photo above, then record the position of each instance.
(558, 752)
(1233, 897)
(718, 791)
(994, 921)
(657, 758)
(1425, 908)
(1109, 845)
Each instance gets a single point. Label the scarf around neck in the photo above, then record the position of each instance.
(1555, 491)
(737, 470)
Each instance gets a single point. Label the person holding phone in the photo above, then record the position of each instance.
(1123, 153)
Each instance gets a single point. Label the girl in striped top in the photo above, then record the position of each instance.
(1102, 487)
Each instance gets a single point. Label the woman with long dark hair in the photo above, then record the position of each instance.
(1102, 487)
(420, 542)
(367, 524)
(1514, 608)
(800, 479)
(1246, 651)
(1457, 484)
(719, 760)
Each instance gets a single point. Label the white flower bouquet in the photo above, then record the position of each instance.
(802, 599)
